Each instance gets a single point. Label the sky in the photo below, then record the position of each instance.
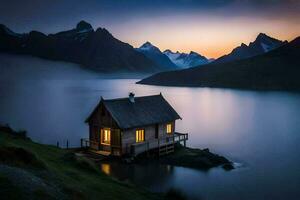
(210, 27)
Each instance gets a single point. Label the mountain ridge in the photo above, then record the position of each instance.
(262, 44)
(153, 53)
(278, 69)
(93, 49)
(186, 60)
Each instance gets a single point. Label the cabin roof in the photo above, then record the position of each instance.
(145, 110)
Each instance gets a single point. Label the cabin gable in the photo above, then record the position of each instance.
(101, 117)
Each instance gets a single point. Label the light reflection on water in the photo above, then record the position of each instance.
(258, 129)
(105, 168)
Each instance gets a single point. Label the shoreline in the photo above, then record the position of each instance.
(193, 158)
(29, 170)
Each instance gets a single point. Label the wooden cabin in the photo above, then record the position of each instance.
(132, 126)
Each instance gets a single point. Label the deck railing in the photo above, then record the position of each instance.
(86, 143)
(141, 147)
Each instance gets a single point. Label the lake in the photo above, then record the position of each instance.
(260, 131)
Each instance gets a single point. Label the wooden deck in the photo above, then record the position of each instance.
(164, 145)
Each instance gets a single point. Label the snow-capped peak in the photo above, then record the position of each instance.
(83, 27)
(171, 54)
(266, 42)
(194, 53)
(168, 51)
(147, 46)
(185, 60)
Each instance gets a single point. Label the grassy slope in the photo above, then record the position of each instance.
(73, 178)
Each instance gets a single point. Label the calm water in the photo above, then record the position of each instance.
(259, 130)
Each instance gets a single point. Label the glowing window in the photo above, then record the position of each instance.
(140, 135)
(105, 136)
(169, 128)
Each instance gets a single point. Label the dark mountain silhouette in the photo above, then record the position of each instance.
(278, 69)
(97, 50)
(262, 44)
(153, 53)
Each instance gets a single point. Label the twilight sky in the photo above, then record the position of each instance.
(210, 27)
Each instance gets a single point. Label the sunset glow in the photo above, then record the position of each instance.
(210, 36)
(211, 28)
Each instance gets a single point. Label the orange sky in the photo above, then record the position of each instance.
(210, 27)
(208, 35)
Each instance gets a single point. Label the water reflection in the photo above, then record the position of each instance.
(152, 175)
(258, 129)
(105, 168)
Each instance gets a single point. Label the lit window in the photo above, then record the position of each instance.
(140, 135)
(105, 136)
(169, 128)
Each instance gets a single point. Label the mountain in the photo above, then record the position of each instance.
(154, 54)
(93, 49)
(278, 69)
(184, 60)
(262, 44)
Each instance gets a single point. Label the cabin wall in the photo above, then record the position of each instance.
(163, 128)
(129, 136)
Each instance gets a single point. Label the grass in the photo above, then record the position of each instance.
(62, 171)
(8, 190)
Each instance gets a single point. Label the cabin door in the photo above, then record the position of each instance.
(156, 131)
(110, 140)
(105, 139)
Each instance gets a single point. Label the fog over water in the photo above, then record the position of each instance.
(259, 130)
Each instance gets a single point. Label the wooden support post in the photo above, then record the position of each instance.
(67, 144)
(158, 147)
(173, 142)
(81, 143)
(173, 138)
(148, 148)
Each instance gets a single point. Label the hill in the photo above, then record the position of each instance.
(30, 170)
(262, 44)
(93, 49)
(186, 60)
(154, 54)
(278, 69)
